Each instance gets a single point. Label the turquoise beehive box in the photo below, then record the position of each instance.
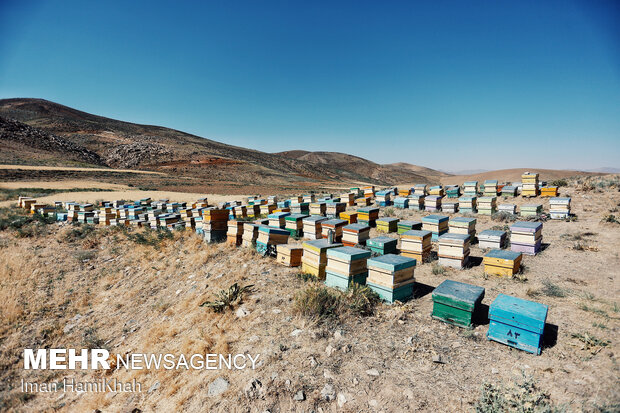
(517, 323)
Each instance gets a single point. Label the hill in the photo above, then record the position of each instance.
(122, 144)
(514, 175)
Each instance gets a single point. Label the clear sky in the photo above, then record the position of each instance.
(450, 85)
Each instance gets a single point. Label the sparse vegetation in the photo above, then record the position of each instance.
(552, 290)
(523, 396)
(151, 237)
(503, 217)
(590, 342)
(559, 183)
(8, 194)
(320, 303)
(226, 299)
(594, 310)
(438, 270)
(610, 218)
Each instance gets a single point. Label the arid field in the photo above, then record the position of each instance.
(133, 290)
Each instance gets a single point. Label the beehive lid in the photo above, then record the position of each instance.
(368, 209)
(417, 233)
(313, 219)
(467, 198)
(435, 219)
(559, 200)
(278, 215)
(335, 222)
(387, 219)
(454, 238)
(463, 220)
(487, 199)
(490, 182)
(391, 262)
(273, 230)
(380, 241)
(518, 312)
(433, 197)
(458, 294)
(296, 217)
(526, 226)
(356, 227)
(409, 224)
(348, 253)
(320, 245)
(503, 254)
(491, 235)
(471, 183)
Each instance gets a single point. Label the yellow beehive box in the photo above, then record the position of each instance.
(502, 262)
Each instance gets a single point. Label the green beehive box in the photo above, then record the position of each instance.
(342, 282)
(382, 245)
(457, 303)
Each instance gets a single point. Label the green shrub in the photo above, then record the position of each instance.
(226, 299)
(520, 397)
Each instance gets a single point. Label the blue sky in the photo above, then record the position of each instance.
(450, 85)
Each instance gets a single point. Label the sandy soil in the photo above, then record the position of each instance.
(68, 184)
(69, 168)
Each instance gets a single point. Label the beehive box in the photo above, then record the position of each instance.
(517, 323)
(318, 208)
(526, 237)
(531, 210)
(490, 187)
(487, 205)
(453, 191)
(549, 191)
(404, 192)
(492, 239)
(346, 265)
(457, 303)
(507, 208)
(450, 206)
(278, 219)
(387, 224)
(502, 263)
(383, 198)
(462, 225)
(416, 202)
(267, 209)
(467, 204)
(391, 277)
(559, 208)
(314, 259)
(268, 236)
(382, 245)
(250, 234)
(420, 189)
(454, 250)
(334, 225)
(470, 188)
(300, 208)
(529, 184)
(368, 215)
(312, 227)
(363, 202)
(234, 235)
(416, 244)
(289, 255)
(432, 203)
(295, 225)
(350, 217)
(436, 190)
(404, 226)
(509, 190)
(436, 224)
(355, 234)
(333, 209)
(401, 202)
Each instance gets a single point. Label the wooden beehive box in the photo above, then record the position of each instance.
(454, 250)
(462, 225)
(289, 255)
(382, 245)
(404, 226)
(526, 237)
(457, 303)
(334, 225)
(416, 244)
(312, 227)
(314, 259)
(492, 239)
(387, 224)
(416, 202)
(502, 262)
(355, 234)
(517, 323)
(437, 224)
(346, 265)
(391, 277)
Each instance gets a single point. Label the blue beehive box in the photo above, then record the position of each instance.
(517, 323)
(382, 245)
(391, 276)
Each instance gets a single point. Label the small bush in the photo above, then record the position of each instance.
(552, 290)
(503, 217)
(388, 212)
(590, 342)
(520, 397)
(318, 303)
(150, 237)
(610, 218)
(361, 300)
(438, 270)
(226, 299)
(559, 183)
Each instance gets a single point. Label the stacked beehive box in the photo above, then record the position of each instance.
(363, 202)
(559, 208)
(404, 226)
(368, 215)
(404, 192)
(333, 209)
(509, 190)
(487, 205)
(294, 224)
(462, 225)
(346, 265)
(312, 227)
(214, 224)
(382, 245)
(436, 190)
(490, 187)
(384, 198)
(318, 208)
(350, 217)
(269, 237)
(300, 208)
(253, 211)
(387, 224)
(420, 189)
(107, 214)
(457, 303)
(470, 188)
(355, 234)
(492, 239)
(453, 191)
(549, 191)
(454, 250)
(432, 203)
(436, 224)
(391, 277)
(450, 206)
(526, 237)
(309, 198)
(234, 236)
(401, 202)
(314, 259)
(250, 234)
(531, 210)
(239, 211)
(507, 208)
(502, 262)
(517, 323)
(350, 198)
(530, 184)
(278, 219)
(335, 225)
(369, 191)
(289, 255)
(416, 202)
(467, 204)
(266, 209)
(416, 244)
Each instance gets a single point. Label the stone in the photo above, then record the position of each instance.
(300, 396)
(254, 389)
(296, 332)
(241, 312)
(154, 387)
(342, 399)
(373, 372)
(328, 393)
(217, 387)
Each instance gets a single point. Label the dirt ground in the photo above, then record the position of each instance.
(59, 288)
